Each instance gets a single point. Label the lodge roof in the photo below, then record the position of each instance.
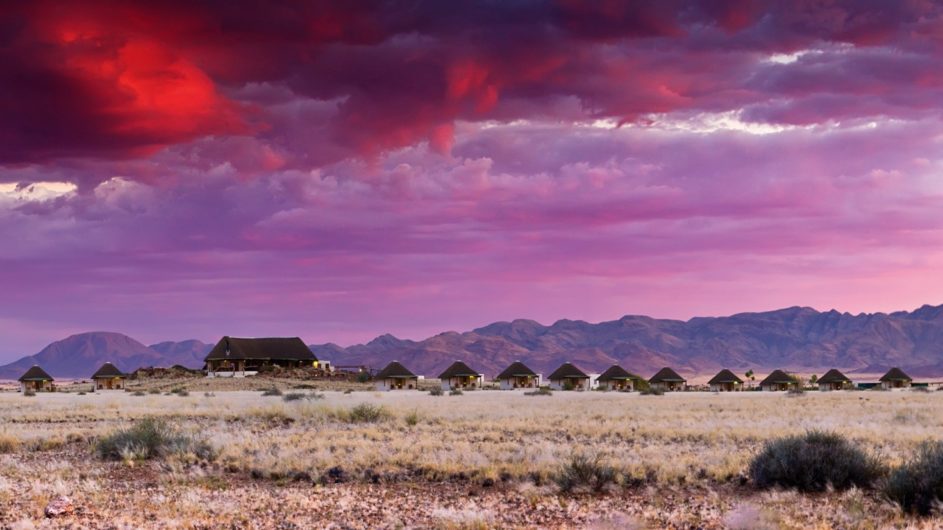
(725, 376)
(458, 369)
(895, 374)
(778, 377)
(517, 369)
(36, 374)
(395, 370)
(279, 348)
(568, 371)
(667, 375)
(614, 373)
(833, 376)
(107, 371)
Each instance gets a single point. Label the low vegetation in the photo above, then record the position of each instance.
(585, 472)
(274, 391)
(917, 485)
(152, 438)
(542, 391)
(814, 462)
(436, 391)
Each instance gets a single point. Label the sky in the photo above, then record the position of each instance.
(192, 169)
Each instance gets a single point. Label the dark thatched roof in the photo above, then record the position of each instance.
(395, 370)
(458, 369)
(614, 373)
(36, 374)
(667, 375)
(833, 376)
(567, 371)
(282, 349)
(725, 376)
(779, 377)
(895, 374)
(107, 371)
(517, 369)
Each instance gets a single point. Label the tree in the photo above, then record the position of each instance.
(814, 379)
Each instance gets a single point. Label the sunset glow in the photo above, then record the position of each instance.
(178, 170)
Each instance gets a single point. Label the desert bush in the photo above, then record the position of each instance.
(153, 391)
(295, 396)
(812, 462)
(585, 471)
(180, 392)
(8, 444)
(138, 393)
(795, 391)
(436, 391)
(542, 391)
(412, 418)
(209, 394)
(456, 392)
(363, 377)
(152, 438)
(919, 389)
(29, 393)
(652, 391)
(274, 391)
(917, 485)
(568, 385)
(366, 413)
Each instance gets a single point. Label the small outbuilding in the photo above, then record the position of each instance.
(37, 380)
(834, 380)
(778, 381)
(667, 380)
(615, 378)
(396, 377)
(725, 381)
(460, 376)
(238, 357)
(518, 375)
(569, 377)
(896, 378)
(109, 377)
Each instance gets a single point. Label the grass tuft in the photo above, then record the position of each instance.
(149, 439)
(585, 472)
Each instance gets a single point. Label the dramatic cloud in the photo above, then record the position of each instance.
(178, 169)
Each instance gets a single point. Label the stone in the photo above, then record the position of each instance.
(59, 507)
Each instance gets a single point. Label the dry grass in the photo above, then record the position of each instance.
(665, 451)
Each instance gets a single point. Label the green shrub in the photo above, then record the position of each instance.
(274, 391)
(138, 393)
(367, 413)
(295, 396)
(363, 377)
(568, 385)
(154, 391)
(436, 391)
(812, 462)
(917, 486)
(152, 438)
(652, 391)
(542, 391)
(585, 471)
(456, 392)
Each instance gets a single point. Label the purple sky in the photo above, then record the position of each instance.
(178, 170)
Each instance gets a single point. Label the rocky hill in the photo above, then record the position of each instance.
(797, 338)
(80, 355)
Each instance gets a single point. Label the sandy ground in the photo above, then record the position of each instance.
(481, 460)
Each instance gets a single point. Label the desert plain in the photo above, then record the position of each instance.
(316, 458)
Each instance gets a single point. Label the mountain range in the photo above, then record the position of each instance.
(797, 338)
